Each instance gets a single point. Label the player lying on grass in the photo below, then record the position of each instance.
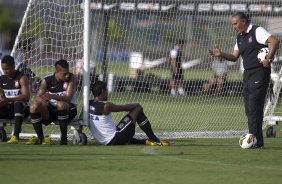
(103, 127)
(55, 100)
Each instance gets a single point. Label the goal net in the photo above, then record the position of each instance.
(130, 49)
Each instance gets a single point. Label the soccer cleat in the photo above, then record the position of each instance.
(152, 143)
(33, 140)
(161, 143)
(257, 147)
(165, 143)
(46, 140)
(13, 140)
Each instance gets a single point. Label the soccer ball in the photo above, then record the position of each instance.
(247, 141)
(262, 53)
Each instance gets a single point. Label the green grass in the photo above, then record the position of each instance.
(192, 113)
(169, 114)
(185, 113)
(193, 161)
(187, 161)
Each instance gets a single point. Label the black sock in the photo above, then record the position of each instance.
(137, 141)
(145, 125)
(36, 121)
(18, 126)
(19, 114)
(63, 119)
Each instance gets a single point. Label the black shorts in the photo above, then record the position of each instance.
(53, 113)
(125, 131)
(7, 111)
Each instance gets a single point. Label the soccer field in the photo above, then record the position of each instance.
(187, 161)
(181, 114)
(126, 39)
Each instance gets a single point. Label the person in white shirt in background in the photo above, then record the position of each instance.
(79, 67)
(219, 73)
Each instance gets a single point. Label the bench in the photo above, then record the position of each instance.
(78, 137)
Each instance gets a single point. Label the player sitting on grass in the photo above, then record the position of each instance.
(55, 100)
(103, 127)
(14, 96)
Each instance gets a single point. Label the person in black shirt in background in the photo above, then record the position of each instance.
(176, 83)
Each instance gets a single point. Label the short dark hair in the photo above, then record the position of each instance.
(98, 87)
(181, 41)
(242, 16)
(63, 63)
(9, 60)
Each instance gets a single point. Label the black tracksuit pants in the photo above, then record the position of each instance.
(256, 82)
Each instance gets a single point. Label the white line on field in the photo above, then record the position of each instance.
(151, 151)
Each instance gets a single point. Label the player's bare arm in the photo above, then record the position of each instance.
(3, 100)
(273, 44)
(1, 92)
(24, 89)
(69, 92)
(110, 107)
(216, 52)
(42, 90)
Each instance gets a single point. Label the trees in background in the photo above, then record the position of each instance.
(8, 27)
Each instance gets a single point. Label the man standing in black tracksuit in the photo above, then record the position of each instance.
(250, 39)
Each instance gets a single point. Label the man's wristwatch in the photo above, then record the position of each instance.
(269, 60)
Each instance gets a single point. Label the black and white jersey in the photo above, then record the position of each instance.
(101, 126)
(248, 44)
(11, 87)
(58, 88)
(176, 54)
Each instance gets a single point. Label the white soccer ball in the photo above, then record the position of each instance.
(247, 141)
(262, 53)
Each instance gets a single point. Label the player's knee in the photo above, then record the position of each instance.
(61, 105)
(139, 107)
(34, 107)
(40, 102)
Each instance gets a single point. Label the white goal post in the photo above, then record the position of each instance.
(120, 31)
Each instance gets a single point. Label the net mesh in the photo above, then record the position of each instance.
(130, 48)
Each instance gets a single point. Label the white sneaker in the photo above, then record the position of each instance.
(173, 92)
(181, 91)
